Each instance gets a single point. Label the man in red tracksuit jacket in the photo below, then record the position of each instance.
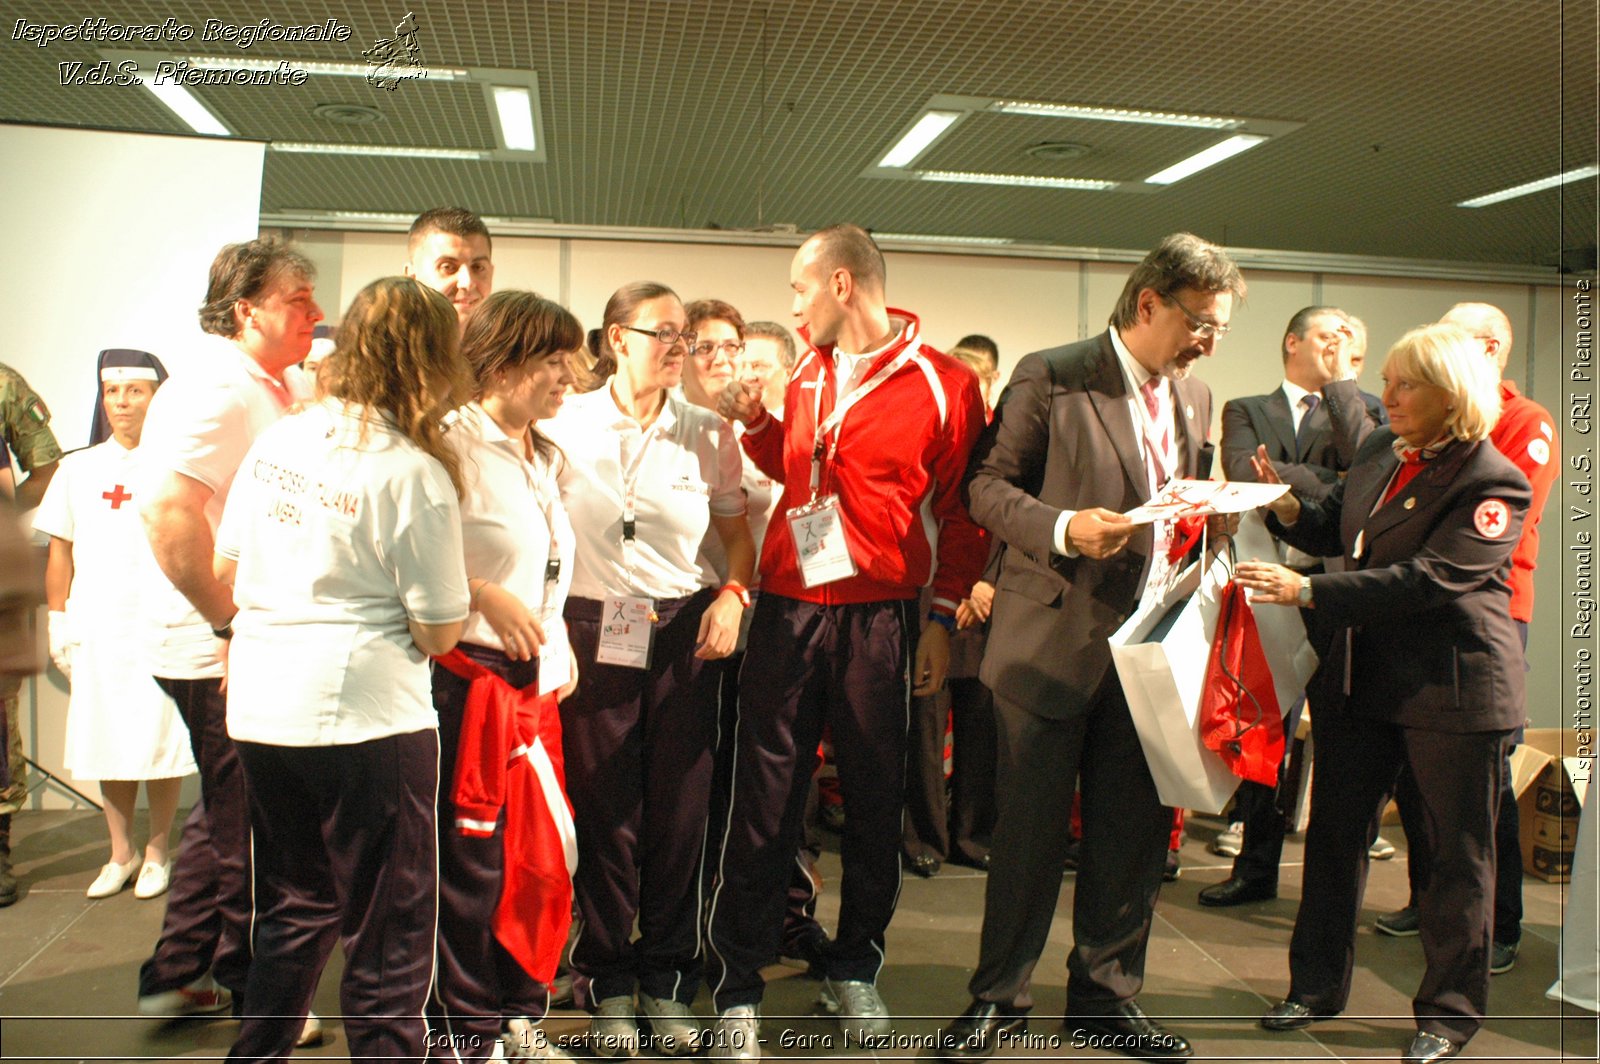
(874, 444)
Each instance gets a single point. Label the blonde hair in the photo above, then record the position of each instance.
(1447, 357)
(396, 352)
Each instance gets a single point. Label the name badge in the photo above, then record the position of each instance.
(626, 632)
(819, 540)
(555, 662)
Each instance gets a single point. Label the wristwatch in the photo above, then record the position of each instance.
(1304, 598)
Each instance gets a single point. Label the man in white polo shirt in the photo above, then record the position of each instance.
(449, 250)
(261, 308)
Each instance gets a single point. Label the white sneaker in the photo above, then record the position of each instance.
(1381, 849)
(202, 995)
(737, 1034)
(521, 1040)
(614, 1030)
(861, 1011)
(112, 878)
(1229, 842)
(153, 880)
(311, 1033)
(676, 1029)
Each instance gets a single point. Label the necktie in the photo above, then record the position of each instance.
(1158, 434)
(1310, 403)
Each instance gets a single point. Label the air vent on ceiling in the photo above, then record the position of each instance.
(1056, 151)
(347, 114)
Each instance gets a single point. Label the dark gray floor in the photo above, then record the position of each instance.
(68, 968)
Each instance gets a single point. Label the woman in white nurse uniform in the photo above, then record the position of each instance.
(121, 727)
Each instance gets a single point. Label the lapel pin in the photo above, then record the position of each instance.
(1411, 502)
(1188, 412)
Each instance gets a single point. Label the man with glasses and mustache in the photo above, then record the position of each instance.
(1082, 434)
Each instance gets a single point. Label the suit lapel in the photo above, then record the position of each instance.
(1423, 488)
(1108, 392)
(1282, 421)
(1186, 412)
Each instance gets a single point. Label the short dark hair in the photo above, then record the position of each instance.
(457, 221)
(981, 344)
(773, 331)
(703, 310)
(852, 248)
(1181, 260)
(245, 271)
(1301, 322)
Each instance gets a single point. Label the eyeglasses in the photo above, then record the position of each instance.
(707, 348)
(666, 335)
(1203, 329)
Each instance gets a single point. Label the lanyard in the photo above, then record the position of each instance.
(630, 487)
(836, 418)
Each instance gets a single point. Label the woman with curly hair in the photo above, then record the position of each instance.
(342, 540)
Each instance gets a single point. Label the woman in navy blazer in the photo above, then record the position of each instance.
(1425, 670)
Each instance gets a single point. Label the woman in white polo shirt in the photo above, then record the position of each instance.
(505, 833)
(342, 539)
(646, 475)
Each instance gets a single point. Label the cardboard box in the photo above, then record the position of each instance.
(1550, 791)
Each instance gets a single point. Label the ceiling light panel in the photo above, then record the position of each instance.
(927, 129)
(1115, 114)
(1204, 160)
(1528, 188)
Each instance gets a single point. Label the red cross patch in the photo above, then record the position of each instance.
(1491, 518)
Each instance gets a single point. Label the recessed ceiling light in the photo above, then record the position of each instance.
(299, 147)
(963, 177)
(929, 128)
(514, 105)
(1203, 159)
(1530, 187)
(340, 70)
(1115, 114)
(183, 103)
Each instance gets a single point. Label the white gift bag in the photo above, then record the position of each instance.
(1161, 654)
(1283, 633)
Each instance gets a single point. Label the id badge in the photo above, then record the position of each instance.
(818, 531)
(555, 661)
(626, 631)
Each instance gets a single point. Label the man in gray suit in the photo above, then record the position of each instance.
(1309, 428)
(1082, 434)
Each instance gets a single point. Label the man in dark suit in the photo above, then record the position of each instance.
(1311, 426)
(1355, 339)
(1082, 434)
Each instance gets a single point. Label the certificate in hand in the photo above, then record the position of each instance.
(1194, 498)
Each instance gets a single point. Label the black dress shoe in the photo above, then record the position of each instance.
(1127, 1030)
(981, 862)
(976, 1032)
(1291, 1016)
(1233, 891)
(1426, 1048)
(923, 865)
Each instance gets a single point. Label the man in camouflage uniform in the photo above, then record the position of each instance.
(25, 428)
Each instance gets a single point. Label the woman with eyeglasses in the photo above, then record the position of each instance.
(647, 476)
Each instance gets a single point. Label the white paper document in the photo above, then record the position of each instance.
(1194, 498)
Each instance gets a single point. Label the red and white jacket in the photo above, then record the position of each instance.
(1526, 434)
(896, 464)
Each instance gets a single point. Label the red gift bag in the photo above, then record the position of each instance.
(1239, 714)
